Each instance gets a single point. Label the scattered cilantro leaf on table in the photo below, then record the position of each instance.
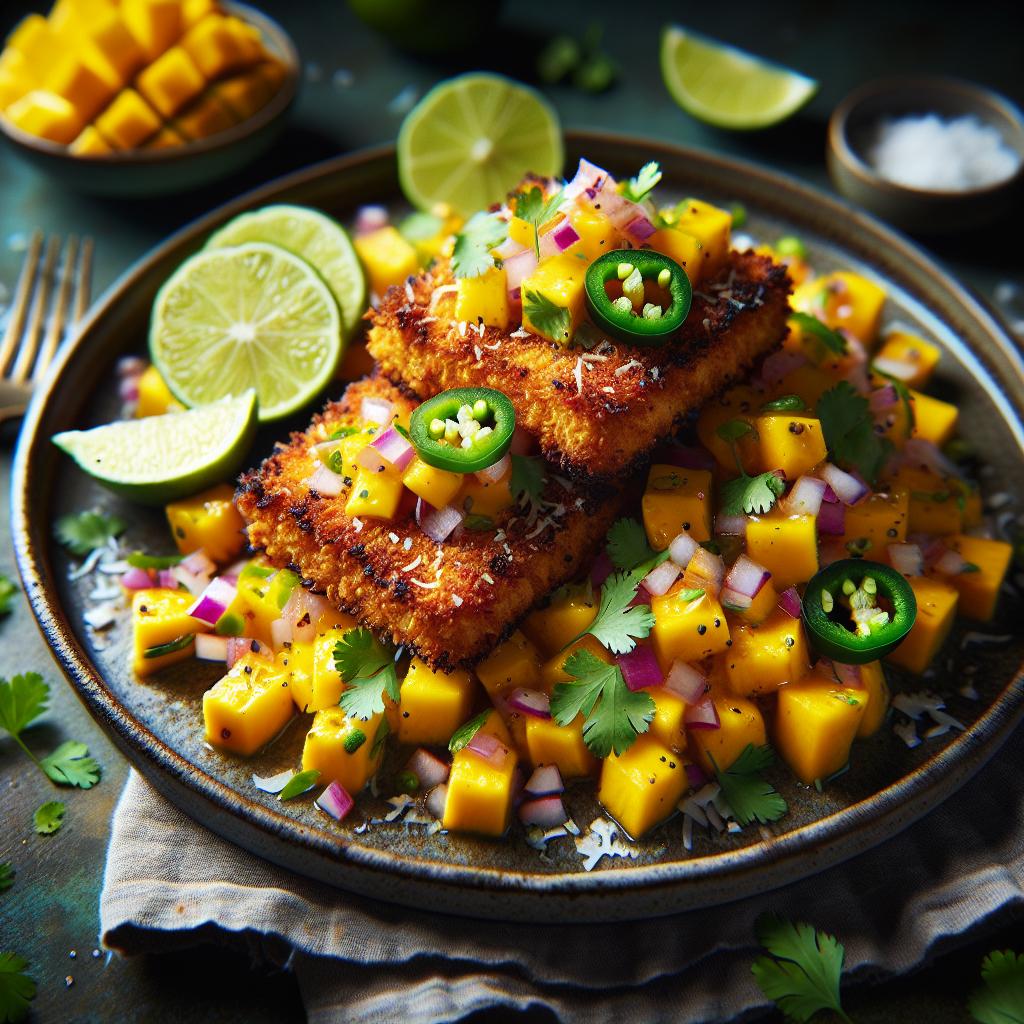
(6, 875)
(1000, 999)
(617, 625)
(69, 765)
(648, 176)
(471, 255)
(49, 817)
(832, 340)
(613, 714)
(86, 531)
(527, 478)
(801, 973)
(750, 796)
(466, 732)
(532, 207)
(545, 315)
(849, 431)
(367, 667)
(17, 989)
(627, 544)
(7, 591)
(299, 783)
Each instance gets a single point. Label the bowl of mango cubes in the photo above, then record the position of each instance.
(142, 97)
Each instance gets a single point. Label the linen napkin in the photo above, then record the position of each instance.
(944, 880)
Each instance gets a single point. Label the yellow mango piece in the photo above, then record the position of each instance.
(676, 499)
(246, 93)
(762, 605)
(793, 443)
(513, 663)
(934, 420)
(35, 41)
(433, 704)
(979, 589)
(521, 232)
(687, 630)
(642, 786)
(876, 522)
(326, 686)
(85, 88)
(206, 117)
(11, 88)
(166, 138)
(815, 725)
(483, 299)
(210, 521)
(45, 115)
(560, 280)
(128, 121)
(933, 501)
(72, 18)
(570, 611)
(936, 611)
(741, 723)
(907, 357)
(89, 143)
(485, 498)
(387, 258)
(806, 382)
(597, 235)
(155, 24)
(171, 82)
(763, 658)
(193, 11)
(160, 616)
(494, 725)
(547, 742)
(341, 748)
(248, 707)
(374, 495)
(220, 45)
(113, 49)
(787, 546)
(685, 249)
(155, 396)
(479, 793)
(737, 403)
(668, 725)
(712, 228)
(295, 662)
(843, 300)
(552, 671)
(435, 486)
(872, 677)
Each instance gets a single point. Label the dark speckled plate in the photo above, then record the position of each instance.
(157, 723)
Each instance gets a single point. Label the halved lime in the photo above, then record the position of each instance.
(161, 458)
(471, 139)
(727, 87)
(250, 316)
(313, 237)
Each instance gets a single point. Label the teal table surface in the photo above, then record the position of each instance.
(354, 93)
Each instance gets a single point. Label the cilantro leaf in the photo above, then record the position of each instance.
(22, 701)
(532, 207)
(87, 531)
(7, 591)
(527, 478)
(617, 625)
(471, 255)
(849, 431)
(638, 187)
(49, 817)
(801, 973)
(553, 321)
(627, 544)
(751, 495)
(733, 430)
(6, 876)
(613, 714)
(17, 989)
(466, 732)
(786, 403)
(299, 783)
(1000, 1000)
(367, 666)
(746, 792)
(832, 340)
(68, 765)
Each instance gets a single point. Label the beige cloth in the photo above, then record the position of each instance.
(954, 874)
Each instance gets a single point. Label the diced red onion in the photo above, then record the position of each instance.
(703, 714)
(545, 811)
(682, 548)
(640, 668)
(545, 780)
(428, 768)
(558, 239)
(620, 210)
(806, 496)
(438, 523)
(325, 482)
(136, 579)
(830, 497)
(640, 228)
(210, 647)
(906, 559)
(898, 368)
(695, 776)
(642, 596)
(371, 460)
(239, 646)
(848, 675)
(200, 563)
(780, 364)
(882, 399)
(950, 563)
(686, 456)
(733, 600)
(335, 800)
(747, 577)
(731, 526)
(489, 748)
(847, 488)
(534, 703)
(832, 520)
(393, 448)
(194, 583)
(924, 454)
(496, 470)
(519, 267)
(213, 602)
(280, 633)
(166, 578)
(128, 389)
(509, 248)
(686, 682)
(515, 296)
(302, 612)
(376, 410)
(790, 603)
(131, 366)
(370, 219)
(587, 176)
(601, 569)
(436, 799)
(660, 579)
(706, 565)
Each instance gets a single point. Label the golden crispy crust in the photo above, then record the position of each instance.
(630, 399)
(405, 591)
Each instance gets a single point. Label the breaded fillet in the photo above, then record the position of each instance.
(450, 603)
(594, 413)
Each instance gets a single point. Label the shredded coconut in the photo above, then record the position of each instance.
(413, 564)
(603, 839)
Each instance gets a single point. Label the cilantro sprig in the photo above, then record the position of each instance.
(747, 495)
(471, 255)
(7, 592)
(87, 531)
(17, 989)
(613, 714)
(1000, 999)
(532, 207)
(617, 625)
(367, 667)
(849, 431)
(547, 317)
(746, 791)
(637, 188)
(628, 545)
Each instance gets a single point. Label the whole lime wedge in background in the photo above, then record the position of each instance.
(727, 87)
(471, 139)
(249, 316)
(313, 236)
(161, 458)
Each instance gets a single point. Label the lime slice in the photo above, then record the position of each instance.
(161, 458)
(726, 87)
(313, 236)
(471, 139)
(251, 316)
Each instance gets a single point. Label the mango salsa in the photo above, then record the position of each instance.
(556, 284)
(547, 742)
(388, 258)
(979, 586)
(343, 749)
(936, 610)
(162, 630)
(793, 443)
(787, 546)
(433, 704)
(483, 299)
(571, 610)
(480, 793)
(687, 629)
(513, 663)
(763, 658)
(740, 723)
(208, 521)
(248, 707)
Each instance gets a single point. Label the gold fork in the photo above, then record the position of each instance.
(47, 303)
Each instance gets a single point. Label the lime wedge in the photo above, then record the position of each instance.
(161, 458)
(250, 316)
(312, 236)
(726, 87)
(471, 139)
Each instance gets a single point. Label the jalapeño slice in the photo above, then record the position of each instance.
(631, 317)
(463, 430)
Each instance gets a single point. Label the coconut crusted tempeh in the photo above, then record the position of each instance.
(596, 413)
(449, 603)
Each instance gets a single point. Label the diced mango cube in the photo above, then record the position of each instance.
(843, 300)
(220, 45)
(483, 299)
(45, 115)
(787, 546)
(740, 724)
(806, 382)
(487, 498)
(641, 786)
(193, 11)
(908, 358)
(387, 257)
(206, 117)
(676, 499)
(209, 521)
(128, 121)
(494, 725)
(872, 677)
(793, 443)
(155, 396)
(435, 486)
(685, 249)
(763, 658)
(166, 138)
(70, 19)
(711, 227)
(480, 793)
(936, 611)
(113, 49)
(513, 663)
(559, 280)
(761, 606)
(568, 613)
(248, 707)
(375, 495)
(295, 662)
(741, 402)
(552, 671)
(85, 88)
(934, 503)
(521, 232)
(160, 619)
(979, 587)
(248, 92)
(687, 630)
(433, 704)
(34, 40)
(668, 725)
(171, 81)
(326, 686)
(876, 522)
(89, 143)
(597, 235)
(156, 24)
(343, 749)
(547, 742)
(934, 420)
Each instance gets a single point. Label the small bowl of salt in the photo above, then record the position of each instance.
(931, 155)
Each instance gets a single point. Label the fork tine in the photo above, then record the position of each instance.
(22, 295)
(30, 341)
(83, 293)
(58, 317)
